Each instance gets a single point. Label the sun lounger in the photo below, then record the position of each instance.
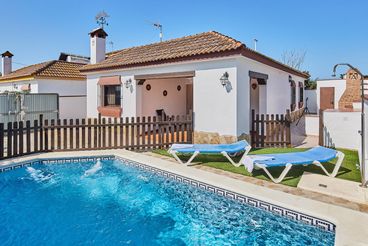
(315, 156)
(224, 149)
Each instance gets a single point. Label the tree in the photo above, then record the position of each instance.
(293, 58)
(310, 84)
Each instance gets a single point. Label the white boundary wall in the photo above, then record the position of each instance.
(312, 101)
(341, 129)
(366, 137)
(312, 125)
(338, 84)
(72, 94)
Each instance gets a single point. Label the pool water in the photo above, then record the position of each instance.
(110, 203)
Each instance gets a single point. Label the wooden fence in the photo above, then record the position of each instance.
(294, 115)
(270, 131)
(135, 133)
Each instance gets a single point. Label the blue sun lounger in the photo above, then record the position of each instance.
(224, 149)
(315, 156)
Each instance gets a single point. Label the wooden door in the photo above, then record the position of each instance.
(327, 98)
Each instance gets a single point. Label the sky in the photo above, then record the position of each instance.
(328, 31)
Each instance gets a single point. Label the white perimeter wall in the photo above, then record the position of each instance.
(342, 129)
(72, 96)
(214, 107)
(312, 100)
(312, 125)
(366, 140)
(16, 86)
(338, 84)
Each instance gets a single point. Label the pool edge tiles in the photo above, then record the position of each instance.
(279, 210)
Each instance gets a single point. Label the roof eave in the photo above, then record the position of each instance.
(174, 60)
(16, 79)
(241, 50)
(246, 52)
(60, 78)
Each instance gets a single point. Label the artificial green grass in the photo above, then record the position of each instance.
(348, 170)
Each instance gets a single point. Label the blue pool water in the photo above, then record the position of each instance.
(116, 204)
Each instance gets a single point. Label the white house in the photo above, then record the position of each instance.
(340, 100)
(55, 76)
(213, 76)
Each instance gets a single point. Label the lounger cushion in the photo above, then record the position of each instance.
(319, 153)
(211, 148)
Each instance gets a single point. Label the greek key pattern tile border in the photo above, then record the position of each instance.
(291, 214)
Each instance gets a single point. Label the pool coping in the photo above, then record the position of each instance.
(347, 221)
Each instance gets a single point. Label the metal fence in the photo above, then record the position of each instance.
(23, 107)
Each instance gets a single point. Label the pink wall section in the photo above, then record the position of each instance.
(173, 104)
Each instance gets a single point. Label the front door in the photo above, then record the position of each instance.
(327, 98)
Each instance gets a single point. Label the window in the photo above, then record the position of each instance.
(293, 95)
(301, 94)
(111, 95)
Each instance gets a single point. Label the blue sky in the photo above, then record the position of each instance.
(329, 31)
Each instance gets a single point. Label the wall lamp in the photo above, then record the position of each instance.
(128, 83)
(224, 79)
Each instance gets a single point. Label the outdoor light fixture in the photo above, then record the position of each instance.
(128, 83)
(362, 130)
(224, 79)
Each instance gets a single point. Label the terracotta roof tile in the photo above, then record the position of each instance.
(50, 69)
(189, 46)
(202, 45)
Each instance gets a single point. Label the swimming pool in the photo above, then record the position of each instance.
(113, 202)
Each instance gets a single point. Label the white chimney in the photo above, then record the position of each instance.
(6, 63)
(98, 45)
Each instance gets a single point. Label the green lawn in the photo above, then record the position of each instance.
(347, 171)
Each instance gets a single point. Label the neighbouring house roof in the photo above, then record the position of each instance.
(46, 70)
(199, 46)
(63, 56)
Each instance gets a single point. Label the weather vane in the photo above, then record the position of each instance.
(101, 19)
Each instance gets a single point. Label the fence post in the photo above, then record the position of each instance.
(15, 138)
(28, 136)
(320, 131)
(99, 131)
(9, 142)
(132, 130)
(77, 134)
(41, 133)
(288, 134)
(126, 130)
(2, 140)
(252, 135)
(115, 133)
(20, 134)
(71, 134)
(46, 133)
(52, 145)
(35, 136)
